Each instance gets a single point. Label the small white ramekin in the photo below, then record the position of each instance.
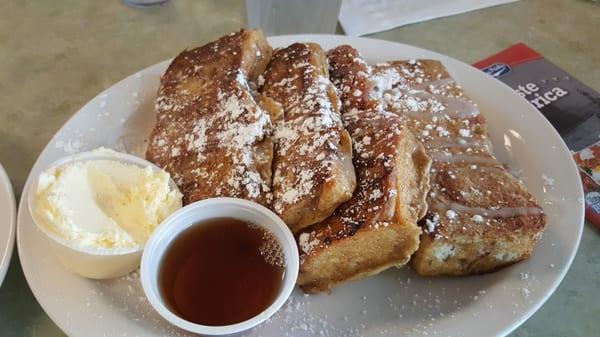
(197, 213)
(89, 262)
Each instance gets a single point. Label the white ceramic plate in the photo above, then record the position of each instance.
(394, 303)
(8, 212)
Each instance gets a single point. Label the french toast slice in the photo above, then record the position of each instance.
(480, 217)
(312, 167)
(377, 228)
(211, 135)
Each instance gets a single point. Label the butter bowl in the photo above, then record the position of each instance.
(100, 253)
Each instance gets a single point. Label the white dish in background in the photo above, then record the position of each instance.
(393, 303)
(8, 212)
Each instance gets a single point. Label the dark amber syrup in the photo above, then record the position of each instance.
(220, 272)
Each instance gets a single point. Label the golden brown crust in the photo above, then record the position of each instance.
(210, 134)
(376, 228)
(480, 217)
(312, 168)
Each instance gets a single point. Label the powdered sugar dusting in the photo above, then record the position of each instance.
(71, 146)
(376, 135)
(306, 243)
(454, 134)
(307, 139)
(211, 135)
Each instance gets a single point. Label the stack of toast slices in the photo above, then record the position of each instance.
(376, 228)
(370, 167)
(480, 218)
(312, 168)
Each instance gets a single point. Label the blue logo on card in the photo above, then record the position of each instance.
(497, 69)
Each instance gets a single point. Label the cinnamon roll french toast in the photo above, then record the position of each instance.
(480, 217)
(377, 228)
(211, 135)
(312, 166)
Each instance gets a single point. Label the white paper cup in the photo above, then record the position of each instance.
(199, 212)
(89, 262)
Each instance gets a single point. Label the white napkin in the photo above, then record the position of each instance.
(360, 17)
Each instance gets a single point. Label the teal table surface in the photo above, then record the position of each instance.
(56, 55)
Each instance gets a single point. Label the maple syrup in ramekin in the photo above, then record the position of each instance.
(221, 272)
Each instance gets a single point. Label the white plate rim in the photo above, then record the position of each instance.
(340, 39)
(7, 246)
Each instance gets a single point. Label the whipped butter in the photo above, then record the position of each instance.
(104, 204)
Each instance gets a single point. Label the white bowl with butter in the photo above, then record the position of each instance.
(98, 209)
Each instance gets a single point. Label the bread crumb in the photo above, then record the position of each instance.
(477, 218)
